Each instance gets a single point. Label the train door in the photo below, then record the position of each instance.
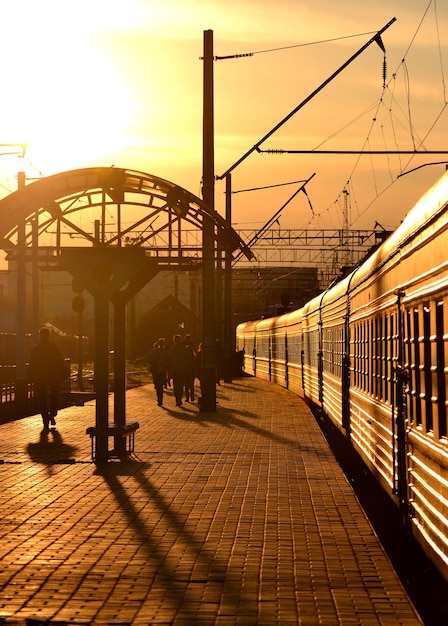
(399, 416)
(320, 358)
(346, 377)
(254, 355)
(270, 340)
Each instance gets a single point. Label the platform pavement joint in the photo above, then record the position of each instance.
(240, 516)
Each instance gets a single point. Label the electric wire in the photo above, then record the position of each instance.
(440, 51)
(394, 104)
(298, 45)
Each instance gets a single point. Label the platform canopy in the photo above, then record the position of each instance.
(112, 207)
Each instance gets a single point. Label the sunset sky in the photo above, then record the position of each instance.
(102, 82)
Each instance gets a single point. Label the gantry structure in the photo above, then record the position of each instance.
(330, 251)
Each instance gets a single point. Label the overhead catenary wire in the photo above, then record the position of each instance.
(281, 48)
(294, 182)
(417, 143)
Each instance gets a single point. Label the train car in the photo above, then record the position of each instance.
(374, 358)
(286, 351)
(312, 350)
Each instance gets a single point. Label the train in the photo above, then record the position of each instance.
(371, 354)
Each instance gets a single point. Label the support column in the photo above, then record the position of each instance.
(21, 393)
(119, 372)
(101, 377)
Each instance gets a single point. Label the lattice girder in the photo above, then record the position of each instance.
(113, 207)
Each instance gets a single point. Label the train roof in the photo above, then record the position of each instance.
(433, 202)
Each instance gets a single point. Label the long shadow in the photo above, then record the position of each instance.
(178, 586)
(241, 385)
(50, 449)
(228, 419)
(231, 421)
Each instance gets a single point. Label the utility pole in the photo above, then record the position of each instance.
(208, 366)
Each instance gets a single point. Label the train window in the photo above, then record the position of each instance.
(379, 357)
(440, 371)
(427, 367)
(416, 376)
(371, 359)
(365, 355)
(362, 364)
(373, 348)
(355, 359)
(325, 343)
(408, 342)
(386, 359)
(359, 352)
(381, 347)
(330, 350)
(313, 348)
(393, 344)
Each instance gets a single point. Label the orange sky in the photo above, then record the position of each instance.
(102, 82)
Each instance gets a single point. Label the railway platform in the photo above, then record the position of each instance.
(240, 516)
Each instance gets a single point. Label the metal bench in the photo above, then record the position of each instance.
(125, 431)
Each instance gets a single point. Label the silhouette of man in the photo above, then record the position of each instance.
(47, 370)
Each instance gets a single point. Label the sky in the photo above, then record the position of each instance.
(120, 82)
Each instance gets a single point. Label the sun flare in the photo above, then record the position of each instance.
(64, 98)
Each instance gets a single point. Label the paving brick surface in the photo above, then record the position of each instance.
(240, 516)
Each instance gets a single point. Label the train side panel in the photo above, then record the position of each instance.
(295, 352)
(334, 309)
(398, 407)
(286, 351)
(263, 340)
(374, 359)
(312, 351)
(425, 304)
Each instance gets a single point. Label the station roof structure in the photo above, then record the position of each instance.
(108, 206)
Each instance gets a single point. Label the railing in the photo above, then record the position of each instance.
(8, 407)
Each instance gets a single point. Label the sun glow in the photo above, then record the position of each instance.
(62, 95)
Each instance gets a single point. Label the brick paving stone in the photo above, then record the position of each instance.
(240, 516)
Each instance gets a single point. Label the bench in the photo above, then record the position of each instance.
(125, 431)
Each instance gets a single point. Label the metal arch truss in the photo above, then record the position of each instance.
(112, 207)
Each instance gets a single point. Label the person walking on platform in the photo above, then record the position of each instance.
(47, 370)
(177, 364)
(158, 368)
(162, 343)
(190, 368)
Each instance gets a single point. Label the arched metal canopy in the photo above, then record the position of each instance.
(113, 207)
(113, 230)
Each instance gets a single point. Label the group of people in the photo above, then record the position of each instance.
(178, 364)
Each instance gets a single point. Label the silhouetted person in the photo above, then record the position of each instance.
(158, 368)
(162, 343)
(47, 369)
